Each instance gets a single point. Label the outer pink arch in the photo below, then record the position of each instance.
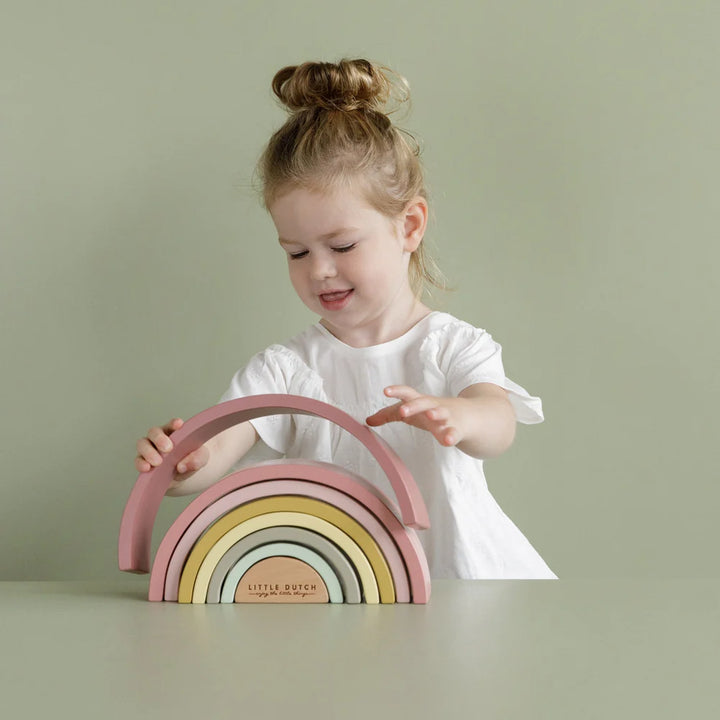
(361, 490)
(150, 488)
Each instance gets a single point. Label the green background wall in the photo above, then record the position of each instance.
(572, 156)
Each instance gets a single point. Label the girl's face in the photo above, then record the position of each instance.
(349, 263)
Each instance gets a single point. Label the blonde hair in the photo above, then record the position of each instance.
(338, 137)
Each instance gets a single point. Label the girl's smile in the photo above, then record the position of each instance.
(335, 299)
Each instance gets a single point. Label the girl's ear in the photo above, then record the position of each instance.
(415, 222)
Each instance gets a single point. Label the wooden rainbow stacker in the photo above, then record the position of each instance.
(291, 530)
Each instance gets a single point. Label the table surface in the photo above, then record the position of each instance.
(577, 649)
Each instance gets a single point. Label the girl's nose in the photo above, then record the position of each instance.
(323, 266)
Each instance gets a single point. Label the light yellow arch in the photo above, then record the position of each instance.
(359, 561)
(285, 503)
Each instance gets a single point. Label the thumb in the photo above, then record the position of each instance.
(194, 461)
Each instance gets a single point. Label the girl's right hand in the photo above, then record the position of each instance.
(158, 443)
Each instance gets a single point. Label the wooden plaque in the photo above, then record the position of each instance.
(281, 579)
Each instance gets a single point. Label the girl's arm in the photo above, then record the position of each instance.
(480, 421)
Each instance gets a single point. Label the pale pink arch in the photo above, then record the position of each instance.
(341, 500)
(150, 488)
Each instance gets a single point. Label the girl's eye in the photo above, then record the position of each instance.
(303, 253)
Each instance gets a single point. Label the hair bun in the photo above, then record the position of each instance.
(346, 85)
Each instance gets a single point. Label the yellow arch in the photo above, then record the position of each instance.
(286, 503)
(280, 503)
(274, 519)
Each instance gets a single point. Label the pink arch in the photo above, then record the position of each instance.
(150, 488)
(185, 530)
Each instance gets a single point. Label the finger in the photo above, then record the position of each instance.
(385, 415)
(173, 425)
(193, 461)
(142, 465)
(159, 439)
(403, 392)
(418, 405)
(438, 414)
(448, 436)
(375, 420)
(148, 452)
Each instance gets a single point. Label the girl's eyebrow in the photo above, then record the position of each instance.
(326, 236)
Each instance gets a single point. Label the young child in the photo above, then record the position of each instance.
(345, 191)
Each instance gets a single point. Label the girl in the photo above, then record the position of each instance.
(345, 191)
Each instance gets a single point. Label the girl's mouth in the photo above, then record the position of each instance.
(335, 300)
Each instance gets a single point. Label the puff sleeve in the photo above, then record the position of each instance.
(466, 355)
(274, 370)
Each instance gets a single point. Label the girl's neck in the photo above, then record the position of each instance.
(380, 330)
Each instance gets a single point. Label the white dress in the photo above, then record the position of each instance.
(470, 536)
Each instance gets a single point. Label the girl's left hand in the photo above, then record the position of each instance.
(437, 415)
